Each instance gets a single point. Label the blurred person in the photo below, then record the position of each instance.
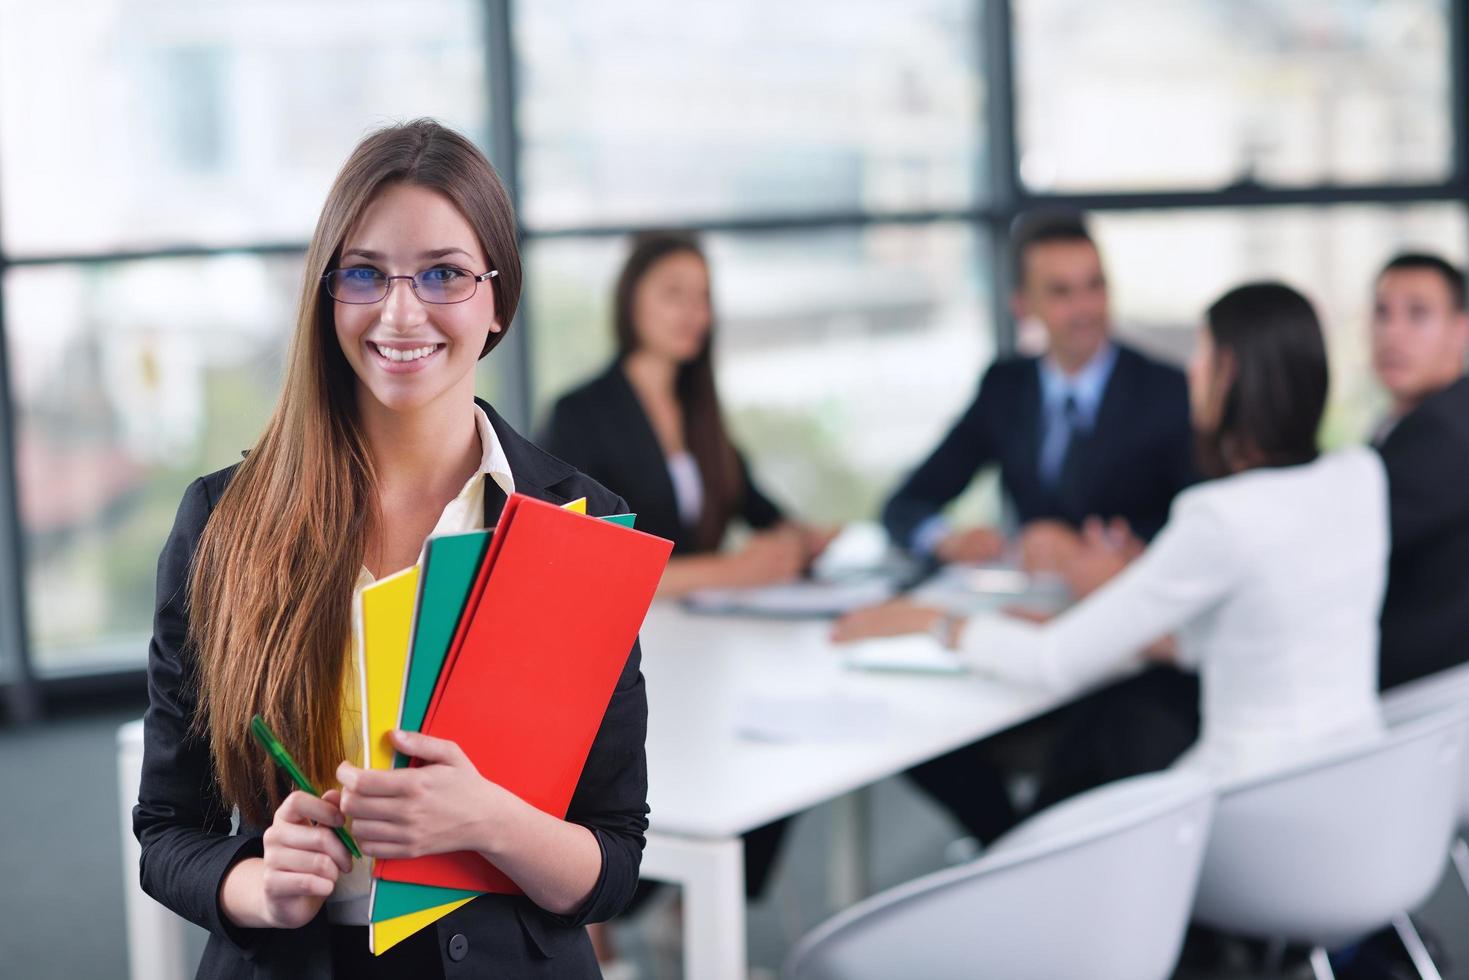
(1092, 441)
(651, 425)
(412, 276)
(1092, 428)
(1420, 338)
(1270, 573)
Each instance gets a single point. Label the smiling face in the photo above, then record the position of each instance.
(408, 354)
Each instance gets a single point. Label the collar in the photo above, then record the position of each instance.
(493, 461)
(1086, 385)
(536, 471)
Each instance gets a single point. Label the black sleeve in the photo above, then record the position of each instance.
(947, 471)
(568, 438)
(611, 798)
(758, 510)
(180, 821)
(1427, 479)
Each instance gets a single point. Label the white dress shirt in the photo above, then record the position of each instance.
(348, 904)
(1272, 579)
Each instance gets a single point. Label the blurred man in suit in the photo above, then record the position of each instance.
(1092, 428)
(1420, 339)
(1093, 441)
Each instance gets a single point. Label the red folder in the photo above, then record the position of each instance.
(543, 640)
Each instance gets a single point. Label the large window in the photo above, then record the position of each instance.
(651, 111)
(852, 168)
(1166, 94)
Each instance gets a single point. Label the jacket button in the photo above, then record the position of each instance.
(458, 947)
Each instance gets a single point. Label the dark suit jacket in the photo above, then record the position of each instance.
(1140, 456)
(1425, 616)
(184, 826)
(601, 429)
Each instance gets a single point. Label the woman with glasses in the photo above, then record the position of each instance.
(650, 427)
(376, 442)
(1270, 574)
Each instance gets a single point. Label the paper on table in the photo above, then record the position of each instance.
(808, 719)
(915, 653)
(794, 599)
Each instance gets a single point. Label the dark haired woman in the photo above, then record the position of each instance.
(411, 277)
(650, 426)
(1271, 573)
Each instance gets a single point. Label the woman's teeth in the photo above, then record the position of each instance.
(394, 354)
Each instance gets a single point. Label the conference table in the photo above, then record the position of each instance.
(750, 719)
(755, 719)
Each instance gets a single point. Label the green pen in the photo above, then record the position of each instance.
(282, 758)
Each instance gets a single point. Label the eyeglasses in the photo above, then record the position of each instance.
(441, 285)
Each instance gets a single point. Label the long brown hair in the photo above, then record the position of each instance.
(271, 586)
(698, 398)
(1270, 357)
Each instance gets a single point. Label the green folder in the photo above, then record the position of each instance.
(450, 564)
(394, 898)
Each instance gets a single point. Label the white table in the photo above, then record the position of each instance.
(708, 785)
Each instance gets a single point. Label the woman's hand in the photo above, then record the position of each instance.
(977, 544)
(768, 557)
(442, 805)
(303, 860)
(1048, 546)
(1105, 550)
(815, 538)
(894, 618)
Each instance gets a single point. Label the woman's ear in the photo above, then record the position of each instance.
(492, 338)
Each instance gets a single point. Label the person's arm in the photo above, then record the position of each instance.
(179, 820)
(1191, 565)
(944, 474)
(1427, 465)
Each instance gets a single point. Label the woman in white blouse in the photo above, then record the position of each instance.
(1270, 575)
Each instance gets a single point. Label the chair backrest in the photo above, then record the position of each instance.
(1331, 850)
(161, 946)
(1098, 889)
(1445, 690)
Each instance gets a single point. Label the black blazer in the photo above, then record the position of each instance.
(184, 826)
(1141, 453)
(601, 429)
(1425, 616)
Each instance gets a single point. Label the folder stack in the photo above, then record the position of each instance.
(508, 642)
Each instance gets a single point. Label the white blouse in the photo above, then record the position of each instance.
(1273, 581)
(688, 487)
